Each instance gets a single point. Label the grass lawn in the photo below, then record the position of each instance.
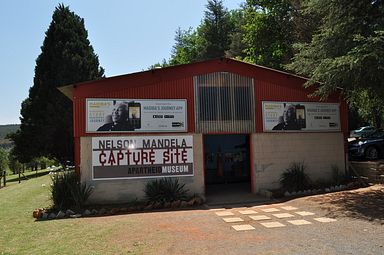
(21, 234)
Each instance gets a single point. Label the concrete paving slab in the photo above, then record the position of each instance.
(305, 213)
(224, 213)
(243, 227)
(283, 215)
(260, 217)
(324, 219)
(299, 222)
(234, 219)
(247, 212)
(272, 224)
(270, 210)
(289, 208)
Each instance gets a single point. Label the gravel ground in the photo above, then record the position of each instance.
(358, 228)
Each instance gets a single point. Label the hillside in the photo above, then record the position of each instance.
(6, 129)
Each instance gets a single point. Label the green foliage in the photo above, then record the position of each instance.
(67, 191)
(165, 190)
(337, 176)
(4, 160)
(66, 58)
(347, 51)
(211, 39)
(294, 178)
(268, 32)
(187, 47)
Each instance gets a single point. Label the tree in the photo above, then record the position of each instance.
(3, 161)
(347, 51)
(215, 31)
(269, 32)
(211, 39)
(187, 47)
(66, 57)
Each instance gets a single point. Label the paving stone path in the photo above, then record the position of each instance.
(268, 217)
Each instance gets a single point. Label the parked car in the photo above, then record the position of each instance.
(370, 147)
(363, 131)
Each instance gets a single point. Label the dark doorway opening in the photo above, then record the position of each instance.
(227, 164)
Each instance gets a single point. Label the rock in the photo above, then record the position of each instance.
(183, 204)
(175, 204)
(115, 211)
(149, 206)
(157, 205)
(287, 194)
(86, 213)
(293, 193)
(94, 212)
(60, 215)
(69, 212)
(78, 215)
(327, 190)
(37, 213)
(102, 211)
(44, 216)
(52, 216)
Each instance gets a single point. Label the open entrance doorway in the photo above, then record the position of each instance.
(227, 165)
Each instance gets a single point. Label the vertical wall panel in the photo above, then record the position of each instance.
(224, 103)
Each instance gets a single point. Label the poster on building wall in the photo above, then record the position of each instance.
(297, 116)
(131, 115)
(133, 157)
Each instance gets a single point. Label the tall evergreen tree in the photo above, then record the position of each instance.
(211, 39)
(347, 51)
(215, 30)
(66, 57)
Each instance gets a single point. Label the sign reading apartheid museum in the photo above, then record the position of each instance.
(132, 115)
(297, 116)
(142, 157)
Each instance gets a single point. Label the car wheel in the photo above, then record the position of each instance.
(371, 153)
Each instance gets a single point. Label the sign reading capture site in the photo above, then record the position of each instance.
(295, 116)
(131, 115)
(142, 157)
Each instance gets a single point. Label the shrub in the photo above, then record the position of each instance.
(294, 178)
(67, 191)
(337, 176)
(165, 190)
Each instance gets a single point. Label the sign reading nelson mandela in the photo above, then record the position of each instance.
(141, 157)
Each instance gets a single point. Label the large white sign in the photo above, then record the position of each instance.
(131, 115)
(141, 157)
(297, 116)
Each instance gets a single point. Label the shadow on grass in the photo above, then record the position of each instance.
(30, 176)
(365, 204)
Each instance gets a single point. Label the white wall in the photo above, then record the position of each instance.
(273, 153)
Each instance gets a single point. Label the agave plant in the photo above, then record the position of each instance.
(165, 190)
(294, 177)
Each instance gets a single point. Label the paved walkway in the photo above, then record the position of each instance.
(243, 219)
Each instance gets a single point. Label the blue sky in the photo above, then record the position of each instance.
(128, 36)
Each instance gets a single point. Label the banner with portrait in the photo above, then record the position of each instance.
(136, 115)
(299, 116)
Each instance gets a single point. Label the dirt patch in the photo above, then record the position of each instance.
(364, 203)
